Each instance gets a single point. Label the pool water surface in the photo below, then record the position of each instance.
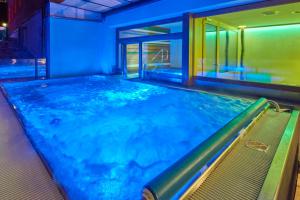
(105, 138)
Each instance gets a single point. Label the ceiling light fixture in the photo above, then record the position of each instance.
(242, 27)
(270, 12)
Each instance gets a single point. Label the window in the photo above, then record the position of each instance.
(163, 57)
(153, 52)
(152, 30)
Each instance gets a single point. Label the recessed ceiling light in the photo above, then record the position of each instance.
(242, 27)
(296, 12)
(270, 12)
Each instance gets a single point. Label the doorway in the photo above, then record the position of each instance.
(131, 60)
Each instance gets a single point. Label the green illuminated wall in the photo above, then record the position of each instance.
(214, 49)
(272, 54)
(210, 50)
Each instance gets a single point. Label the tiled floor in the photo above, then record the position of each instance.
(297, 195)
(22, 173)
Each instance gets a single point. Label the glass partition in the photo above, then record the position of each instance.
(59, 10)
(152, 52)
(22, 69)
(210, 61)
(162, 58)
(220, 50)
(223, 50)
(228, 54)
(240, 46)
(232, 48)
(132, 60)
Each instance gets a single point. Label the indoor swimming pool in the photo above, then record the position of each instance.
(105, 138)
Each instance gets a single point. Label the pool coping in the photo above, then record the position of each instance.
(275, 185)
(19, 118)
(285, 94)
(252, 175)
(179, 86)
(196, 184)
(276, 86)
(240, 90)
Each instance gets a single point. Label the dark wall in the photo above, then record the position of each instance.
(3, 12)
(20, 11)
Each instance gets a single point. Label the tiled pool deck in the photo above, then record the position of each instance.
(22, 173)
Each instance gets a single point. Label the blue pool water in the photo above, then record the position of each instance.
(105, 138)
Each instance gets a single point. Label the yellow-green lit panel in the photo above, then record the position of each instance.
(272, 54)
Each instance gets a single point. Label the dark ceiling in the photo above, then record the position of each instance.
(101, 6)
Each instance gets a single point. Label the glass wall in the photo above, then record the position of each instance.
(59, 10)
(224, 47)
(228, 54)
(162, 58)
(132, 60)
(220, 51)
(210, 61)
(152, 52)
(240, 46)
(22, 69)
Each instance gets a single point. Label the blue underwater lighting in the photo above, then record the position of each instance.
(105, 138)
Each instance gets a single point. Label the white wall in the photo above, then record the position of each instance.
(275, 53)
(75, 47)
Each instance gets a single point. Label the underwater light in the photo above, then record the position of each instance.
(44, 85)
(13, 61)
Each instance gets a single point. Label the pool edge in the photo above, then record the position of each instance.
(19, 118)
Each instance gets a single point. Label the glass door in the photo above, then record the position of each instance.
(131, 60)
